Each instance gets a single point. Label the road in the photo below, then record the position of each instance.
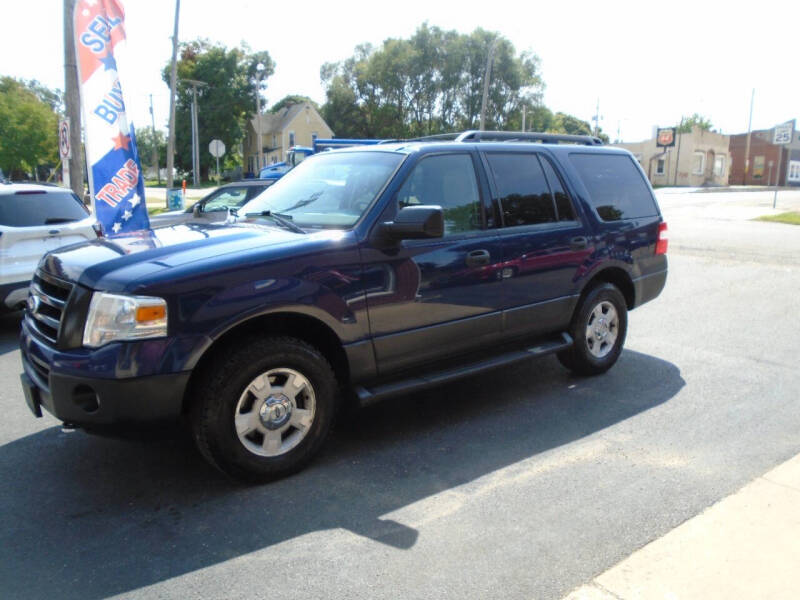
(520, 484)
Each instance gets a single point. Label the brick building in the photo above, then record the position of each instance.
(769, 163)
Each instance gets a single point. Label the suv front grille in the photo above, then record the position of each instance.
(49, 296)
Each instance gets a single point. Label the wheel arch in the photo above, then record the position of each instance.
(293, 324)
(616, 276)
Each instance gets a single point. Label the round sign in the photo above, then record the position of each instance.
(217, 148)
(63, 139)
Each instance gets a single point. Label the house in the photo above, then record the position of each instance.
(294, 125)
(768, 161)
(698, 158)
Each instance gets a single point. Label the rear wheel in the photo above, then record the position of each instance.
(598, 329)
(265, 410)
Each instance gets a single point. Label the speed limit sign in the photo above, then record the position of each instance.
(63, 140)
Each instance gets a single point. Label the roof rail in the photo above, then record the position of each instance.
(525, 136)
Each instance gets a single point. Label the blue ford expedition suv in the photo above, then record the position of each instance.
(363, 273)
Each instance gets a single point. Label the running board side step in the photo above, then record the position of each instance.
(371, 395)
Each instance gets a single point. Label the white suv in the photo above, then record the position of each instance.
(35, 219)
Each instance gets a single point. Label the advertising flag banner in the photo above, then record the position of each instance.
(116, 181)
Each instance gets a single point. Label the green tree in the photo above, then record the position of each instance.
(696, 120)
(28, 128)
(564, 123)
(290, 100)
(145, 140)
(427, 84)
(224, 104)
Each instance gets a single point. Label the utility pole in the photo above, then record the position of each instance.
(172, 83)
(678, 157)
(596, 118)
(523, 118)
(154, 160)
(259, 75)
(747, 145)
(72, 101)
(195, 131)
(486, 77)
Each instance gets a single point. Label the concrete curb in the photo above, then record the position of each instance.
(745, 546)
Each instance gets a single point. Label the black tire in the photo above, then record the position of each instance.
(220, 394)
(587, 356)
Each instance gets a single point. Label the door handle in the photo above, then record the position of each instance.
(478, 258)
(578, 243)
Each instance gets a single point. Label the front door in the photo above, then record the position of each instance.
(428, 299)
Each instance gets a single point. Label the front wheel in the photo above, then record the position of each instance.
(265, 410)
(598, 329)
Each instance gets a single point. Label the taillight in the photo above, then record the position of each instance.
(98, 228)
(663, 239)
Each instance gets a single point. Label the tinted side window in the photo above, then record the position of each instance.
(30, 209)
(616, 187)
(522, 189)
(449, 181)
(563, 204)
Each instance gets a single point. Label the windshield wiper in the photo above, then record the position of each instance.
(312, 198)
(283, 220)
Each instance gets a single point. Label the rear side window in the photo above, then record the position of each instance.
(40, 208)
(616, 187)
(563, 204)
(522, 189)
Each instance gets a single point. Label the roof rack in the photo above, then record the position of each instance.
(473, 135)
(525, 136)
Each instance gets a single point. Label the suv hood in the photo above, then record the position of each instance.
(112, 263)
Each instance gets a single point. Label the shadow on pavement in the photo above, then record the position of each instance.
(9, 331)
(88, 517)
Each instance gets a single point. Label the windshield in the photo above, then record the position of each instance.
(328, 190)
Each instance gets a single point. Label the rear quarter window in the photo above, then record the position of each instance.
(616, 187)
(33, 209)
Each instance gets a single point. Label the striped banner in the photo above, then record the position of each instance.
(116, 182)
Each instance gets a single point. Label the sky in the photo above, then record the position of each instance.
(647, 63)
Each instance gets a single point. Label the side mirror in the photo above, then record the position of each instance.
(415, 223)
(196, 210)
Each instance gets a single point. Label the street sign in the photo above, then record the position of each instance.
(217, 148)
(783, 133)
(63, 140)
(666, 137)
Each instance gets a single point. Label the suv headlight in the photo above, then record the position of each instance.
(115, 317)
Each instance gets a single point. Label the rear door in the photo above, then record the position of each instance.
(543, 238)
(431, 299)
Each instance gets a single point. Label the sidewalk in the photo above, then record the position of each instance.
(745, 546)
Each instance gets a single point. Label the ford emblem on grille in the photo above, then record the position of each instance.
(33, 303)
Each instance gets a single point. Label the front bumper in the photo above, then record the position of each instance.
(52, 381)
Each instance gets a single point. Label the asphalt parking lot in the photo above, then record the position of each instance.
(523, 483)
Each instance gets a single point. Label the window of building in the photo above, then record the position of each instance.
(719, 166)
(794, 170)
(698, 163)
(291, 139)
(522, 189)
(660, 166)
(274, 140)
(449, 181)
